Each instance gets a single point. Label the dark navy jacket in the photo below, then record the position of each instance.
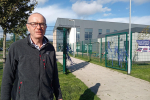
(30, 74)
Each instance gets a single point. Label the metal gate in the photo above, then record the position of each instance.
(116, 51)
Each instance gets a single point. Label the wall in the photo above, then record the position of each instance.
(72, 35)
(54, 40)
(82, 24)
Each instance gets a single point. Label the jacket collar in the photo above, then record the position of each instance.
(29, 42)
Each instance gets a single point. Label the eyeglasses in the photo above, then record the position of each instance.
(33, 24)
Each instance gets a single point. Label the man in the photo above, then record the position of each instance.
(31, 70)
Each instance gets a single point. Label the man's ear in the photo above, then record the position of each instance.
(27, 27)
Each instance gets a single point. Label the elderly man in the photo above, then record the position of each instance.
(31, 69)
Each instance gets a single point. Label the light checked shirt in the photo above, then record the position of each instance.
(36, 46)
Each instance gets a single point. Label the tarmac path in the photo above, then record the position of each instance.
(106, 83)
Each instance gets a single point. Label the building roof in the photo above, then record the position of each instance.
(67, 23)
(133, 30)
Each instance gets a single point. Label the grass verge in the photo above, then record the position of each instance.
(1, 73)
(72, 88)
(141, 71)
(1, 56)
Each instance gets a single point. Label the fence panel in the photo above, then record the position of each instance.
(9, 40)
(95, 48)
(91, 49)
(140, 50)
(85, 51)
(1, 46)
(116, 48)
(113, 50)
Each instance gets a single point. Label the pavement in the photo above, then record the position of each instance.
(1, 60)
(106, 83)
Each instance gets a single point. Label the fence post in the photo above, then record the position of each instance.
(118, 49)
(14, 39)
(73, 50)
(64, 50)
(90, 48)
(77, 48)
(126, 51)
(105, 51)
(82, 48)
(87, 49)
(101, 51)
(131, 52)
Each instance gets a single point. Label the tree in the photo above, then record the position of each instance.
(21, 29)
(1, 42)
(13, 38)
(13, 15)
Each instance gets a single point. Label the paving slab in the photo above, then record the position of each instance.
(1, 60)
(106, 83)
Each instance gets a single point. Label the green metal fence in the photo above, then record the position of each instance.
(111, 50)
(116, 48)
(9, 40)
(141, 50)
(91, 49)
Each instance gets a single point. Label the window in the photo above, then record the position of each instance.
(99, 31)
(107, 30)
(88, 33)
(78, 35)
(59, 32)
(60, 37)
(86, 36)
(115, 30)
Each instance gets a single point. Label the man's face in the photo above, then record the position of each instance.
(36, 26)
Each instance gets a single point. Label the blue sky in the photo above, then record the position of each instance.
(98, 10)
(107, 10)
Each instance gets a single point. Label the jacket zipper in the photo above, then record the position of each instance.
(44, 63)
(40, 57)
(20, 87)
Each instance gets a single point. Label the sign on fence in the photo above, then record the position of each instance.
(143, 45)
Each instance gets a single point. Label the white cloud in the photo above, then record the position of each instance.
(140, 1)
(50, 37)
(41, 1)
(113, 1)
(127, 8)
(106, 14)
(1, 33)
(52, 12)
(83, 8)
(136, 20)
(8, 36)
(1, 30)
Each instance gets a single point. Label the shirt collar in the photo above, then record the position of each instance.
(36, 46)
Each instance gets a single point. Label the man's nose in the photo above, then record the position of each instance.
(38, 26)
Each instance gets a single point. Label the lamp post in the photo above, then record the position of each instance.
(129, 59)
(74, 36)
